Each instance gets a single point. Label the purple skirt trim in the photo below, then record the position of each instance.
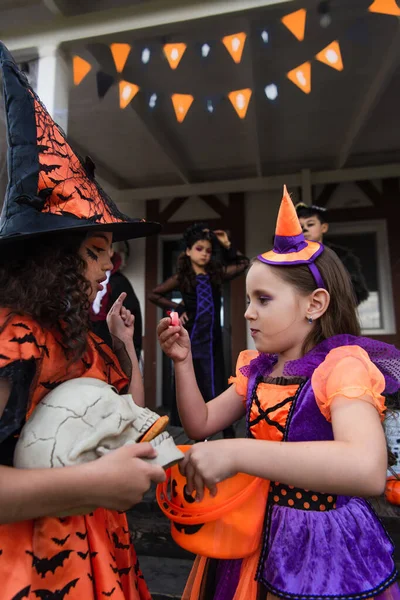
(392, 593)
(344, 552)
(228, 575)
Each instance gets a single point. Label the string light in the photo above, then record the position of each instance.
(205, 50)
(271, 91)
(324, 12)
(265, 36)
(146, 55)
(153, 100)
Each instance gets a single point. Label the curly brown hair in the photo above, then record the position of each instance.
(44, 278)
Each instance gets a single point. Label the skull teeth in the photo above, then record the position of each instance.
(160, 438)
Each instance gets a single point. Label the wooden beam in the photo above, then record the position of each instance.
(369, 97)
(150, 341)
(215, 203)
(177, 227)
(102, 170)
(362, 213)
(326, 194)
(237, 225)
(368, 188)
(171, 209)
(261, 184)
(306, 187)
(139, 16)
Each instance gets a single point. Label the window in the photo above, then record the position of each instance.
(368, 241)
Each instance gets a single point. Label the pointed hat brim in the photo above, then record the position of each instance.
(50, 188)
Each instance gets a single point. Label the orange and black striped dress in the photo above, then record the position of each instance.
(86, 557)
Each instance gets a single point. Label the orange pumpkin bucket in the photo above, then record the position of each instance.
(228, 525)
(392, 490)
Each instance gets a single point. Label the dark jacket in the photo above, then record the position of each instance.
(352, 264)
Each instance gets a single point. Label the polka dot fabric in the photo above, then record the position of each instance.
(287, 495)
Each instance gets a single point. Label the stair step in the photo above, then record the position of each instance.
(166, 578)
(151, 532)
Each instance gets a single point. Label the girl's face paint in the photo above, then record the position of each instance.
(96, 251)
(200, 254)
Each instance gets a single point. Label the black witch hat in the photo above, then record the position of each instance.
(50, 189)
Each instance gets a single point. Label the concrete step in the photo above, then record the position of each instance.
(165, 578)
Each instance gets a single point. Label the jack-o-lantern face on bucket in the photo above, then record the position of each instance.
(225, 526)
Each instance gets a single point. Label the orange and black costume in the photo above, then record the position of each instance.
(51, 190)
(91, 554)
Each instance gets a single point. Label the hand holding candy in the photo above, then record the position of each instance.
(174, 318)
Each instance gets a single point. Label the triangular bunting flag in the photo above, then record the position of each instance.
(385, 7)
(235, 45)
(331, 56)
(301, 76)
(127, 91)
(104, 82)
(80, 68)
(181, 103)
(240, 101)
(120, 54)
(296, 23)
(174, 53)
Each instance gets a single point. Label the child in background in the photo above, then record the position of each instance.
(199, 278)
(314, 222)
(312, 396)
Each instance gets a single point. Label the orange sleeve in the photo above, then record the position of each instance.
(21, 338)
(348, 371)
(240, 380)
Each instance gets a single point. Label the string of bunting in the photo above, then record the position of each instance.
(300, 76)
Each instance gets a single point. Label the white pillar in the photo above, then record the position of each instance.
(53, 83)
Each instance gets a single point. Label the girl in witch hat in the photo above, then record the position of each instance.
(56, 231)
(208, 260)
(312, 395)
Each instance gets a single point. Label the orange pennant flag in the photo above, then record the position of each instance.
(127, 91)
(80, 69)
(385, 7)
(182, 103)
(235, 45)
(331, 56)
(301, 76)
(296, 23)
(174, 53)
(120, 54)
(240, 101)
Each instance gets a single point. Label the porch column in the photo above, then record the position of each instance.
(53, 83)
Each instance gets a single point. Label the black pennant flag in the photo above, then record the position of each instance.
(104, 82)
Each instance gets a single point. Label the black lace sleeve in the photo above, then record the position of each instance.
(235, 263)
(20, 373)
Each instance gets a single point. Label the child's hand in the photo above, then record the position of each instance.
(121, 321)
(207, 464)
(119, 479)
(174, 340)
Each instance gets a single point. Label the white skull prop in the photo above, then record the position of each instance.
(81, 420)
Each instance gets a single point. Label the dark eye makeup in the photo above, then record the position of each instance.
(91, 254)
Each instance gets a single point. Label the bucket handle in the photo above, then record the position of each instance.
(208, 515)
